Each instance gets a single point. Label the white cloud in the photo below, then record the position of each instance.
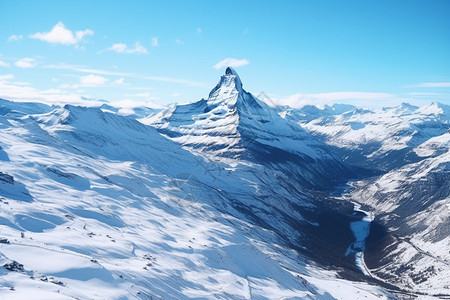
(433, 84)
(92, 80)
(425, 94)
(155, 42)
(3, 64)
(140, 95)
(172, 80)
(118, 48)
(15, 38)
(300, 100)
(127, 104)
(175, 95)
(25, 93)
(123, 48)
(6, 77)
(179, 42)
(199, 30)
(83, 69)
(231, 62)
(351, 95)
(26, 63)
(61, 35)
(69, 86)
(119, 81)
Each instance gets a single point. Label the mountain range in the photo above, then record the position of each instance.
(224, 198)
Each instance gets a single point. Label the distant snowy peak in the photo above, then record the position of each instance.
(70, 114)
(436, 109)
(22, 108)
(310, 112)
(407, 107)
(133, 111)
(382, 137)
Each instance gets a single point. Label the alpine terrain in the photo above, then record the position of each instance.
(224, 198)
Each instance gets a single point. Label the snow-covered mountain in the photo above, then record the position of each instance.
(223, 198)
(382, 139)
(413, 203)
(410, 199)
(96, 205)
(232, 120)
(234, 127)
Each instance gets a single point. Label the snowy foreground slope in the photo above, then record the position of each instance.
(100, 206)
(224, 198)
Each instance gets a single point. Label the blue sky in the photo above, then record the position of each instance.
(369, 53)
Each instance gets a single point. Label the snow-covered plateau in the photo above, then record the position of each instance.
(224, 198)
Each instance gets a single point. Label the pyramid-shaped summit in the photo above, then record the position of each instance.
(230, 71)
(228, 87)
(232, 123)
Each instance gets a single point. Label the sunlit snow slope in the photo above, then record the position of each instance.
(224, 198)
(95, 205)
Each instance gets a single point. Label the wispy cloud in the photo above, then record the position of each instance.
(351, 95)
(3, 64)
(231, 62)
(69, 86)
(123, 48)
(300, 100)
(140, 95)
(127, 104)
(26, 63)
(6, 77)
(155, 42)
(25, 93)
(172, 80)
(119, 81)
(179, 42)
(15, 38)
(83, 69)
(432, 84)
(58, 96)
(61, 35)
(92, 80)
(425, 94)
(199, 30)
